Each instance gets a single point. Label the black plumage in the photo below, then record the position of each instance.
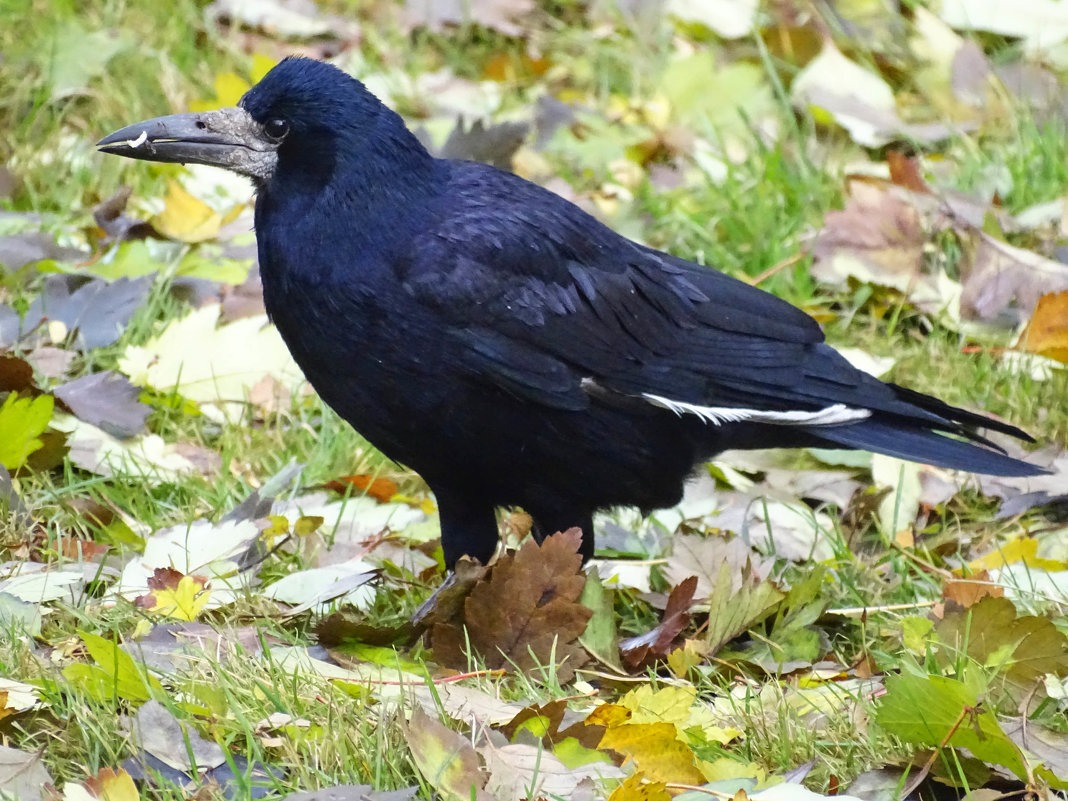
(508, 346)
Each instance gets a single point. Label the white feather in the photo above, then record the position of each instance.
(837, 414)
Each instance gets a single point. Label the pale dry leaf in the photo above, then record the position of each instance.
(520, 771)
(23, 775)
(97, 451)
(175, 743)
(217, 551)
(694, 555)
(1000, 276)
(731, 19)
(214, 365)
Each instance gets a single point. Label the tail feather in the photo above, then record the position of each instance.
(918, 444)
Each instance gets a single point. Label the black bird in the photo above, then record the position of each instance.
(508, 346)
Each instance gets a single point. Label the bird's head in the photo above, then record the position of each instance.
(305, 118)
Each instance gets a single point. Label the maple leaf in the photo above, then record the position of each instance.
(1029, 646)
(527, 614)
(175, 594)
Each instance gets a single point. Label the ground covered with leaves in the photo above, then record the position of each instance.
(210, 587)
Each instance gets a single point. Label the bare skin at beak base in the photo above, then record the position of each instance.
(228, 138)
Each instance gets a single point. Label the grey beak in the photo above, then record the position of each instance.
(228, 138)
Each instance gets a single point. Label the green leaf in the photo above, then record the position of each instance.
(600, 637)
(923, 710)
(115, 672)
(22, 421)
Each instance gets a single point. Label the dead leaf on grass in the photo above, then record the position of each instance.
(1047, 332)
(446, 759)
(655, 645)
(527, 613)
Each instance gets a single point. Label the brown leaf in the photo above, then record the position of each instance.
(969, 591)
(379, 488)
(646, 649)
(445, 606)
(992, 624)
(527, 613)
(879, 230)
(16, 375)
(1047, 332)
(904, 171)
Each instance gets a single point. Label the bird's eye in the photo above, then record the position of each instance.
(276, 129)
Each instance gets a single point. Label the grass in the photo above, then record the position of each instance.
(757, 216)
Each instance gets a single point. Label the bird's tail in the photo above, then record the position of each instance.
(919, 443)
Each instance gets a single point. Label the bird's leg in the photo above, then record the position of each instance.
(466, 528)
(548, 523)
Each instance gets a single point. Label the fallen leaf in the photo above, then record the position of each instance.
(22, 421)
(527, 613)
(731, 19)
(111, 785)
(949, 706)
(1047, 332)
(94, 312)
(213, 365)
(378, 487)
(286, 19)
(446, 759)
(174, 594)
(997, 276)
(22, 775)
(970, 591)
(1028, 646)
(494, 145)
(1039, 22)
(646, 649)
(106, 400)
(518, 772)
(178, 744)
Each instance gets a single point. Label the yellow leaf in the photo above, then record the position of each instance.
(307, 525)
(725, 769)
(1023, 550)
(608, 715)
(110, 785)
(635, 788)
(656, 751)
(186, 218)
(1047, 332)
(684, 659)
(666, 705)
(183, 601)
